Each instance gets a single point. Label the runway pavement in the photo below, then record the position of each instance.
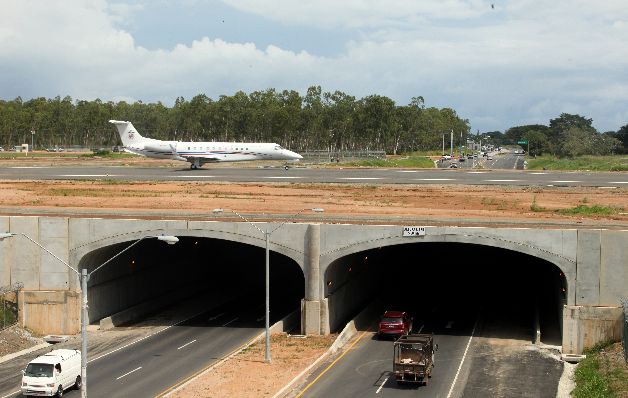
(323, 175)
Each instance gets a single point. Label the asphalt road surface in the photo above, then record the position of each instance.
(317, 175)
(366, 368)
(466, 365)
(152, 365)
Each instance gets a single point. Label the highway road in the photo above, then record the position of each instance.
(365, 370)
(468, 363)
(150, 366)
(323, 175)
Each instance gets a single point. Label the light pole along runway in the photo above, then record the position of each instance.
(323, 176)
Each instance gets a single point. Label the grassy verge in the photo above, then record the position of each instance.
(109, 155)
(593, 210)
(603, 374)
(409, 161)
(595, 163)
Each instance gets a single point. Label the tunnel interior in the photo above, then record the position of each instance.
(443, 281)
(196, 267)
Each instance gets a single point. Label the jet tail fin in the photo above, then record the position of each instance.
(128, 133)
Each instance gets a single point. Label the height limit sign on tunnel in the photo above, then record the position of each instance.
(413, 231)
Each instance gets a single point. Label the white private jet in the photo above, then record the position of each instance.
(199, 153)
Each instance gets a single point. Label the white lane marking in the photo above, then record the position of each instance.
(128, 373)
(606, 187)
(216, 317)
(28, 167)
(186, 344)
(88, 175)
(477, 172)
(409, 171)
(380, 387)
(361, 178)
(435, 179)
(196, 176)
(285, 177)
(421, 328)
(449, 324)
(233, 320)
(14, 392)
(144, 338)
(451, 390)
(539, 173)
(618, 182)
(565, 181)
(501, 180)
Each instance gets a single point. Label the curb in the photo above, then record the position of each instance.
(23, 352)
(347, 334)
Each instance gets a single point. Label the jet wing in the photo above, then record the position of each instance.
(200, 159)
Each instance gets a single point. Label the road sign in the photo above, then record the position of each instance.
(522, 142)
(413, 231)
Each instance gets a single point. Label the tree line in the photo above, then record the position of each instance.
(566, 136)
(318, 120)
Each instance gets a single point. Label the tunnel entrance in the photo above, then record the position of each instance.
(443, 281)
(194, 266)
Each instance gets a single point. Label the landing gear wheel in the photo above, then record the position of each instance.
(59, 392)
(286, 167)
(78, 383)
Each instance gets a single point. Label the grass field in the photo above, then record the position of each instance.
(594, 163)
(401, 161)
(602, 374)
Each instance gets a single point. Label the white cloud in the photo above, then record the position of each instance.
(522, 62)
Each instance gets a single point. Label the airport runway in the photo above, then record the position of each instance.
(322, 175)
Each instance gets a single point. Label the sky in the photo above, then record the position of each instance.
(498, 63)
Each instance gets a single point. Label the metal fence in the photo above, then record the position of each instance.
(8, 305)
(624, 339)
(323, 156)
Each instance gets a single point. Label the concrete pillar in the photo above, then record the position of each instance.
(585, 326)
(310, 307)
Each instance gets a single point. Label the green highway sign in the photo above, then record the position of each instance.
(522, 142)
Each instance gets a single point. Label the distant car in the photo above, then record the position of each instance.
(469, 156)
(395, 323)
(461, 159)
(446, 157)
(453, 166)
(489, 158)
(1, 149)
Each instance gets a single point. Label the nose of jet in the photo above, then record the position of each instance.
(293, 155)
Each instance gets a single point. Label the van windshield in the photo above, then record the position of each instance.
(38, 370)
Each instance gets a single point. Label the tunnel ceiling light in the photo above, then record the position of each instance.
(318, 209)
(4, 235)
(218, 211)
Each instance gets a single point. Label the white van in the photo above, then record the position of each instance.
(52, 373)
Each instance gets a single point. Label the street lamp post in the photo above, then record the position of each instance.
(267, 234)
(84, 276)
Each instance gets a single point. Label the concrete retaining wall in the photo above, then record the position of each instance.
(584, 327)
(50, 311)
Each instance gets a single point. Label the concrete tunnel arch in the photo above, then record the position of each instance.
(116, 287)
(338, 291)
